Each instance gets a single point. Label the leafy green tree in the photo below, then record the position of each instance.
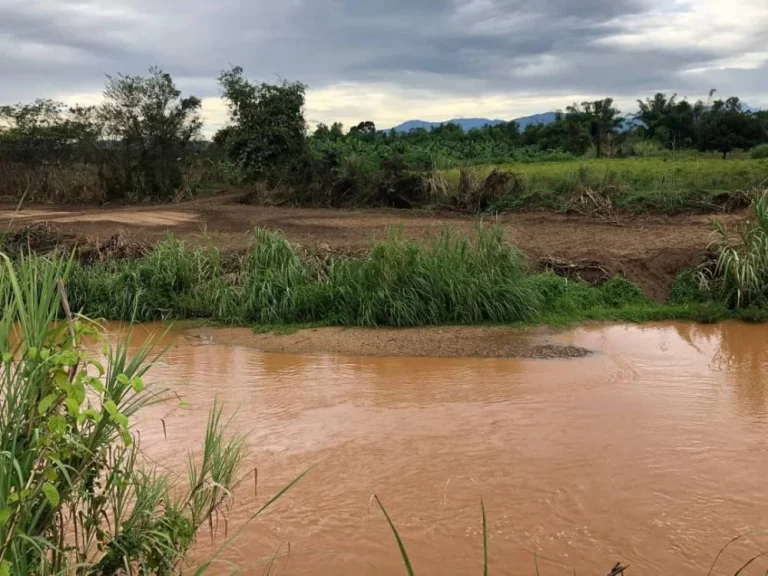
(321, 132)
(45, 130)
(511, 132)
(337, 130)
(654, 111)
(366, 128)
(448, 131)
(568, 133)
(667, 120)
(268, 138)
(152, 127)
(601, 119)
(725, 126)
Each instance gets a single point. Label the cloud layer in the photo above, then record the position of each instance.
(396, 59)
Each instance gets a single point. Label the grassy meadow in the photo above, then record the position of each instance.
(640, 184)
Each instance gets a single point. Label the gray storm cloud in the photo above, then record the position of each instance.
(457, 48)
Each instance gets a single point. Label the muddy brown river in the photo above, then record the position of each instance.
(651, 451)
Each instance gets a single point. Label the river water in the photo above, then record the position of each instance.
(651, 451)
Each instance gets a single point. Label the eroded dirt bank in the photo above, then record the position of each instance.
(648, 250)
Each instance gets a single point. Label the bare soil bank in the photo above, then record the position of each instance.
(648, 250)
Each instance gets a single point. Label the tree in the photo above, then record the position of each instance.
(511, 131)
(654, 111)
(448, 131)
(568, 132)
(48, 131)
(601, 119)
(153, 127)
(366, 128)
(667, 120)
(268, 138)
(337, 130)
(725, 126)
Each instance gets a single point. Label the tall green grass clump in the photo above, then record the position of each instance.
(74, 497)
(400, 283)
(449, 280)
(276, 281)
(740, 276)
(171, 281)
(452, 280)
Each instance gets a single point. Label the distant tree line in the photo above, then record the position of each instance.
(137, 143)
(720, 126)
(144, 140)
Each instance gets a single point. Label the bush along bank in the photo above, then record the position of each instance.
(451, 280)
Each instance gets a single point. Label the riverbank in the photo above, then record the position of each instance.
(453, 279)
(649, 251)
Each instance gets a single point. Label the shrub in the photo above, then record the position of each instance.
(759, 152)
(687, 288)
(618, 291)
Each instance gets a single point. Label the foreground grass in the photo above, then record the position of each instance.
(632, 184)
(74, 497)
(452, 280)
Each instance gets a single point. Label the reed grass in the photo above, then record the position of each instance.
(75, 495)
(404, 553)
(740, 275)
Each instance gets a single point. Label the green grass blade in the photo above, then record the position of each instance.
(207, 564)
(403, 553)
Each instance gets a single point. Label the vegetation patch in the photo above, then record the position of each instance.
(739, 276)
(144, 143)
(75, 496)
(451, 280)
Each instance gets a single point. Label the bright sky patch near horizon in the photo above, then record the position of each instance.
(396, 60)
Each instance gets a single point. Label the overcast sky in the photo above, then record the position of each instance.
(394, 60)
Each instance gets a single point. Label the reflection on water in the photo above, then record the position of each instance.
(652, 451)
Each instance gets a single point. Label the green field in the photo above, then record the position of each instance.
(634, 184)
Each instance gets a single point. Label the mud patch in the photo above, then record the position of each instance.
(589, 271)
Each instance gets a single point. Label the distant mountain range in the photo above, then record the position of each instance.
(469, 123)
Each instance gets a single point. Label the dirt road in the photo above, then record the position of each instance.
(650, 251)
